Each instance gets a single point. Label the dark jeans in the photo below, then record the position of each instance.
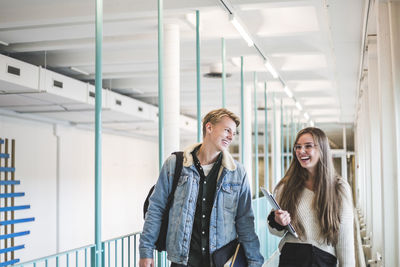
(305, 255)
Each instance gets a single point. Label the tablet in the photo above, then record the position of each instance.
(275, 206)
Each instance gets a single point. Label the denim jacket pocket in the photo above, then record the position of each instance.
(182, 180)
(230, 194)
(181, 190)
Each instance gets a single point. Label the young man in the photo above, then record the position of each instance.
(212, 202)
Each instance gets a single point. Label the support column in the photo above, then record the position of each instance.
(375, 149)
(276, 143)
(343, 158)
(171, 88)
(389, 156)
(394, 15)
(248, 152)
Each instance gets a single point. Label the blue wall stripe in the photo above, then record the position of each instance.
(17, 221)
(9, 182)
(4, 250)
(19, 194)
(14, 235)
(7, 169)
(9, 262)
(15, 208)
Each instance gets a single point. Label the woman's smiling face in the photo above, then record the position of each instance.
(307, 152)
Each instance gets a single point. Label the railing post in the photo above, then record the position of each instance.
(97, 252)
(198, 76)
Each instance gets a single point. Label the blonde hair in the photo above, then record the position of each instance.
(214, 116)
(328, 189)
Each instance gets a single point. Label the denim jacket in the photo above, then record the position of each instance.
(231, 214)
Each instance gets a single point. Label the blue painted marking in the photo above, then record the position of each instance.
(1, 141)
(9, 182)
(9, 262)
(17, 221)
(19, 194)
(4, 155)
(7, 169)
(5, 250)
(15, 208)
(14, 235)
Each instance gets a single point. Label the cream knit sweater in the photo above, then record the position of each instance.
(344, 250)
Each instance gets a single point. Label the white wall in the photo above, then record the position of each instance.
(130, 167)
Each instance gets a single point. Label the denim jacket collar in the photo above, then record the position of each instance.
(227, 160)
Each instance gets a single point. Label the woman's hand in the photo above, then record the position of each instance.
(282, 217)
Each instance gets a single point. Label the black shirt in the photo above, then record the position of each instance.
(199, 254)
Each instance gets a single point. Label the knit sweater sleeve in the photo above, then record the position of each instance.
(345, 245)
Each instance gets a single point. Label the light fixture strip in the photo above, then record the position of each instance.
(242, 31)
(4, 43)
(271, 69)
(298, 105)
(259, 51)
(79, 71)
(229, 8)
(288, 92)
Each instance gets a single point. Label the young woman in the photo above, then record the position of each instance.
(318, 203)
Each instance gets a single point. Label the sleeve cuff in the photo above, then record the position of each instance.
(273, 223)
(145, 253)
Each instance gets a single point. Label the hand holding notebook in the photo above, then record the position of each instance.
(276, 206)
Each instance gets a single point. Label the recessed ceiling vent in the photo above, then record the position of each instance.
(216, 71)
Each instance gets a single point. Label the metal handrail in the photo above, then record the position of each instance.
(57, 255)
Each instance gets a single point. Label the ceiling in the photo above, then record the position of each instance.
(314, 45)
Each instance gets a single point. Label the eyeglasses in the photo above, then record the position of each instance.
(307, 147)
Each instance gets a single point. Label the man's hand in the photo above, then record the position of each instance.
(146, 262)
(282, 217)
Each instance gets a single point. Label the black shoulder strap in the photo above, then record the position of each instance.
(177, 174)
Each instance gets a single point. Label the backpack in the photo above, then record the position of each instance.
(162, 236)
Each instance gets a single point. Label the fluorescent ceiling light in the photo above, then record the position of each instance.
(299, 106)
(4, 43)
(306, 116)
(312, 123)
(79, 71)
(271, 69)
(242, 31)
(288, 92)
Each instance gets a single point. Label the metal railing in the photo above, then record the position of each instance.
(123, 251)
(117, 252)
(75, 257)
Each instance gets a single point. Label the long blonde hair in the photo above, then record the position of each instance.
(328, 189)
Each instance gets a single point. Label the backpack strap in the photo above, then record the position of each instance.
(177, 174)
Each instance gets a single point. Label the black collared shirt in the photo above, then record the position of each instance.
(199, 254)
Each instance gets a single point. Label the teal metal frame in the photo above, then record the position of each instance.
(160, 84)
(198, 76)
(48, 260)
(223, 58)
(97, 252)
(241, 110)
(266, 154)
(287, 140)
(160, 256)
(282, 141)
(293, 135)
(256, 174)
(274, 178)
